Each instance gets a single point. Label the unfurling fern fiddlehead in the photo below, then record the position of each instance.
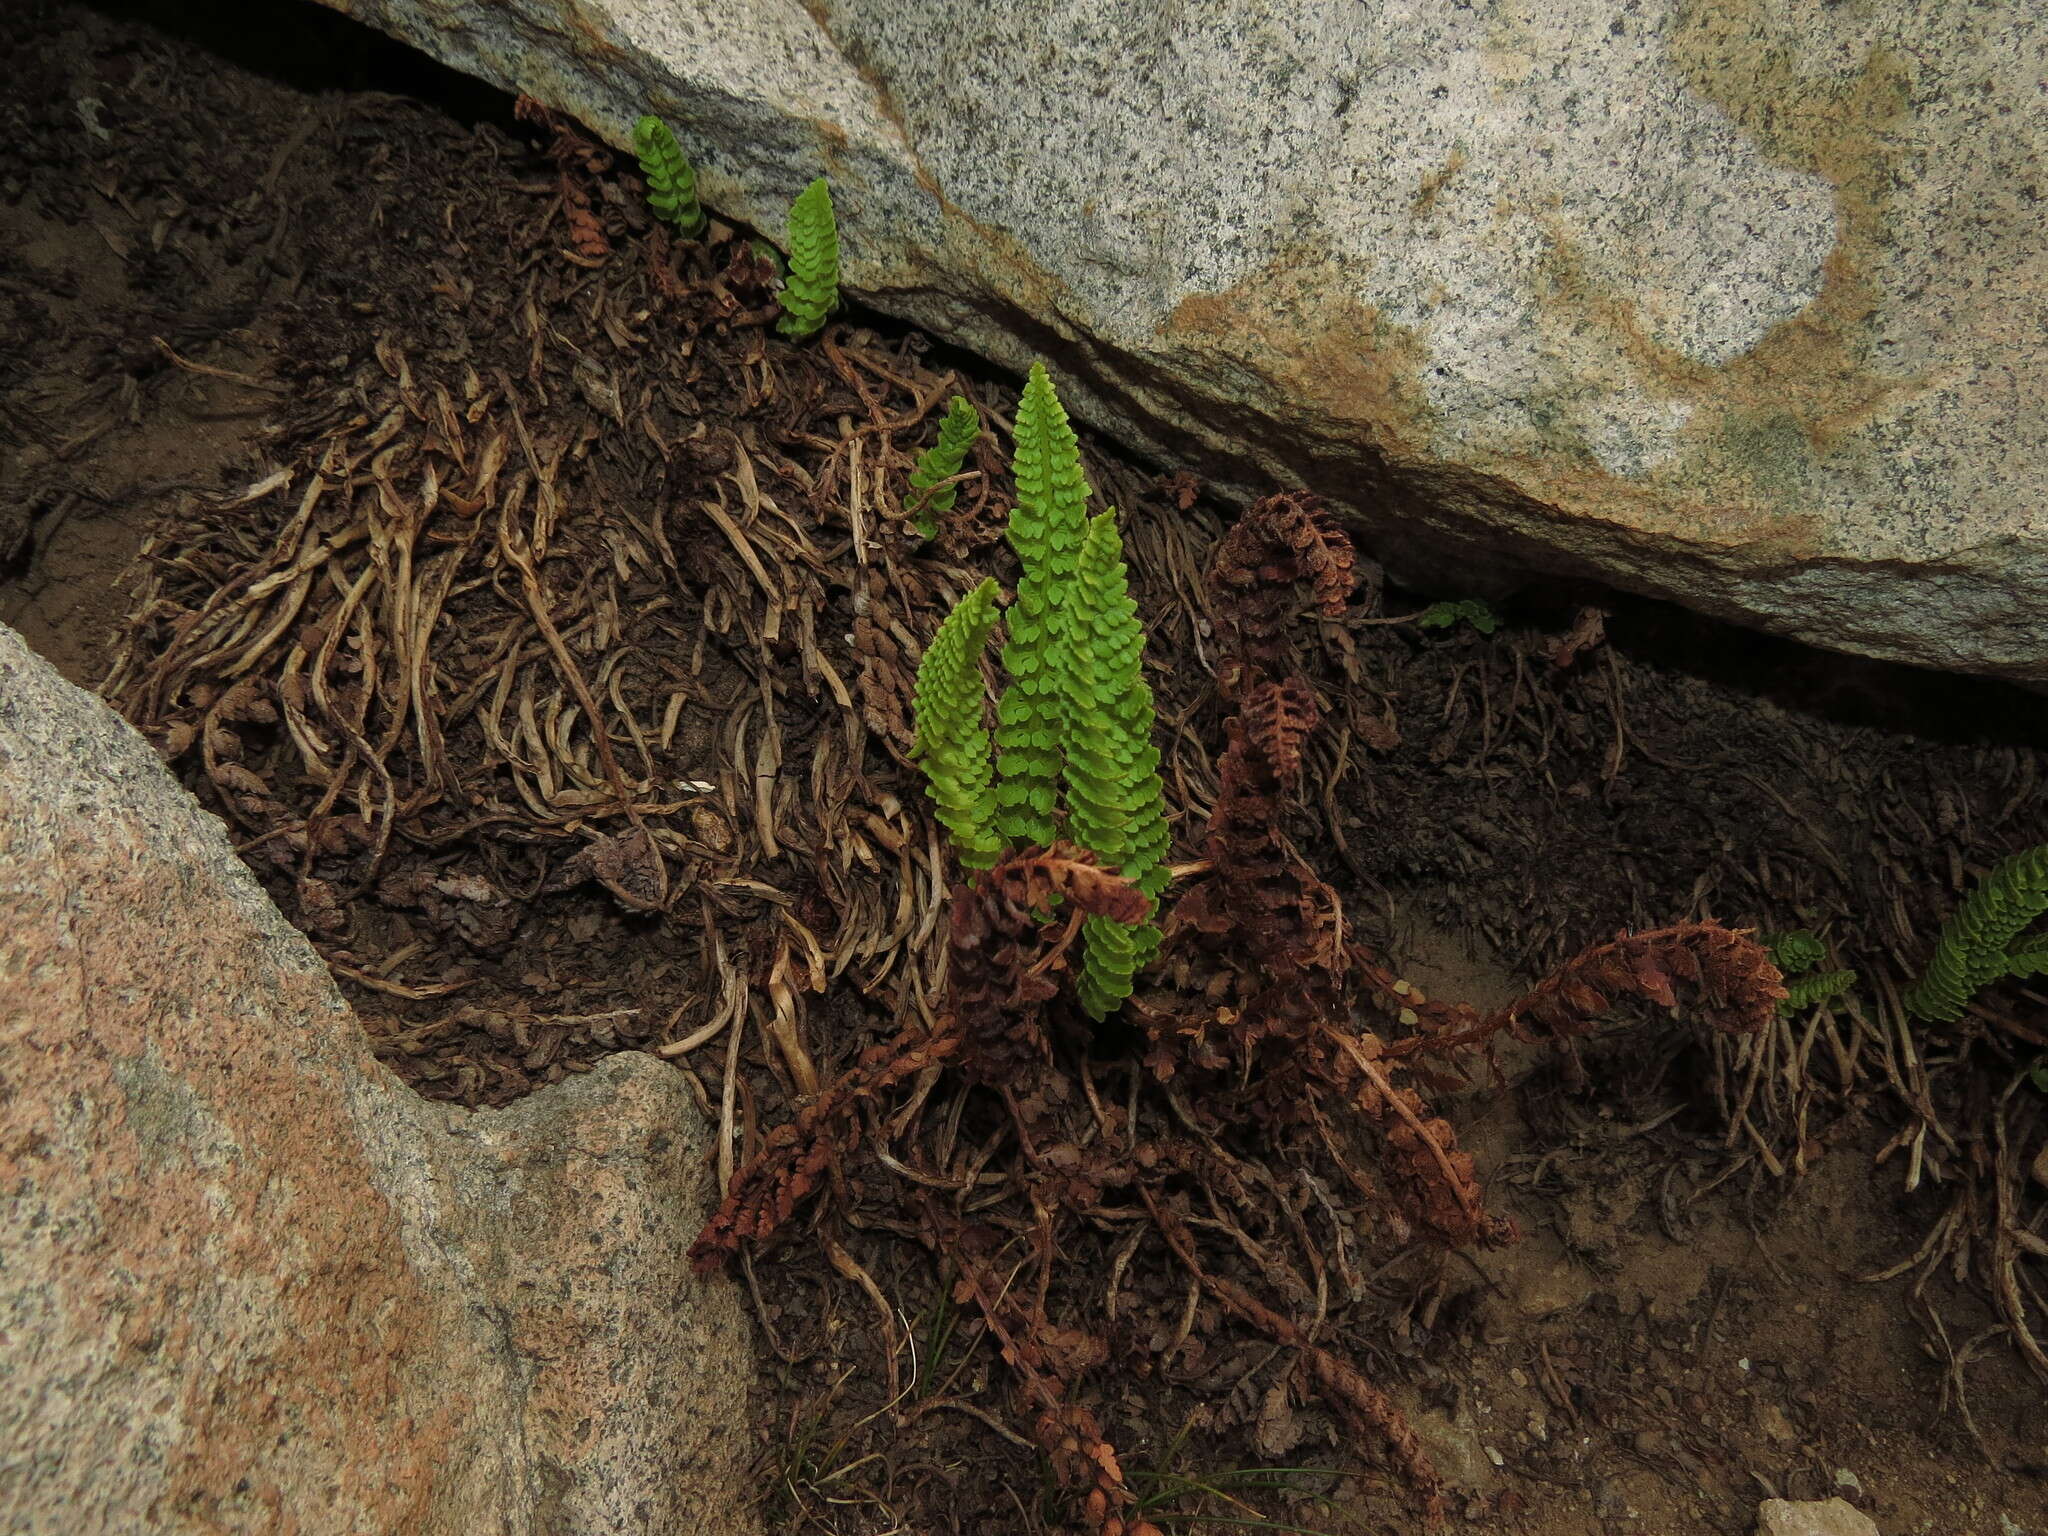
(1976, 946)
(1046, 528)
(671, 181)
(811, 291)
(952, 746)
(1116, 804)
(930, 495)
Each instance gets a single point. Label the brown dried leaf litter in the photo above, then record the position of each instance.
(583, 608)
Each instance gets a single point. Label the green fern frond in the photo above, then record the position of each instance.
(1976, 946)
(1046, 528)
(1116, 804)
(1472, 610)
(671, 180)
(951, 745)
(1802, 994)
(1795, 951)
(812, 289)
(940, 463)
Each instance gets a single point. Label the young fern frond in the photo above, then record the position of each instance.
(930, 495)
(671, 180)
(951, 746)
(1977, 947)
(811, 291)
(1802, 994)
(1045, 528)
(1116, 804)
(1796, 953)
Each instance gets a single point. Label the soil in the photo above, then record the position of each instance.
(304, 367)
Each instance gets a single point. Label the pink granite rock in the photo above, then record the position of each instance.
(250, 1282)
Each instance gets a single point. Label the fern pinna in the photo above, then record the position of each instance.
(671, 180)
(1076, 713)
(811, 291)
(1977, 943)
(930, 494)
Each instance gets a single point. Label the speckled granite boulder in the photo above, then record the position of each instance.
(248, 1282)
(1739, 302)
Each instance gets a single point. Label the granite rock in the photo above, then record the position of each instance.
(1737, 302)
(248, 1281)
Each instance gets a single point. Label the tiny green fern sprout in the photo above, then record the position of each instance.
(671, 181)
(1474, 612)
(1046, 528)
(1977, 943)
(812, 289)
(951, 746)
(1804, 993)
(1116, 804)
(1795, 953)
(939, 463)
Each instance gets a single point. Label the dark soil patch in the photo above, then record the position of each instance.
(226, 273)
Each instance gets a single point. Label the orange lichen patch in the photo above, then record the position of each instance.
(1758, 426)
(1327, 356)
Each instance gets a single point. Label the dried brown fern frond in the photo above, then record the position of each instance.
(1044, 1359)
(1737, 988)
(793, 1157)
(1004, 957)
(1283, 540)
(1370, 1414)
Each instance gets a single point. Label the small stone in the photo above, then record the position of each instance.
(1809, 1517)
(1771, 1419)
(1453, 1444)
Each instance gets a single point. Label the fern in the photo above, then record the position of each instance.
(812, 289)
(1977, 942)
(939, 464)
(951, 744)
(1474, 612)
(1116, 805)
(1076, 715)
(1795, 953)
(671, 181)
(1802, 994)
(1046, 528)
